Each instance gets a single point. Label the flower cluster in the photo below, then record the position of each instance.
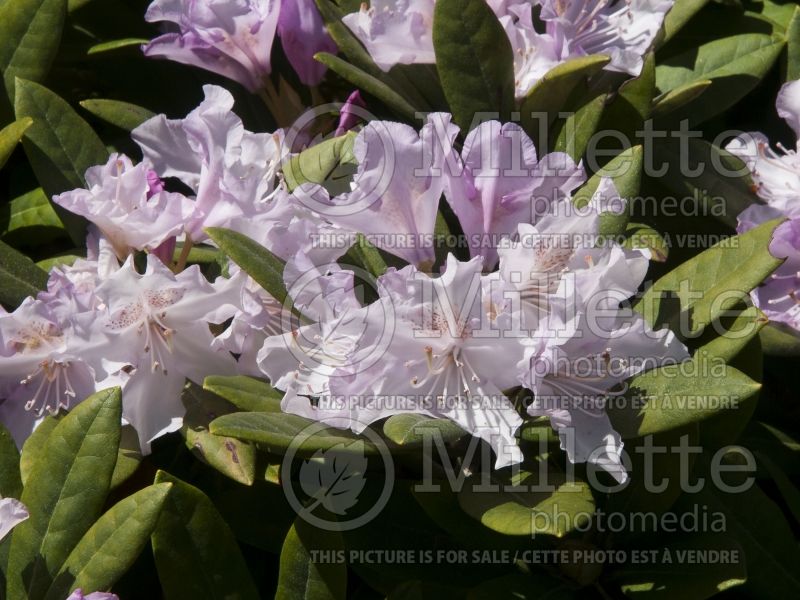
(402, 32)
(776, 176)
(539, 302)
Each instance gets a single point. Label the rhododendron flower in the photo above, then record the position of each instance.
(395, 31)
(449, 355)
(565, 255)
(503, 184)
(777, 179)
(229, 168)
(162, 321)
(123, 203)
(572, 367)
(302, 359)
(395, 192)
(12, 513)
(46, 364)
(234, 38)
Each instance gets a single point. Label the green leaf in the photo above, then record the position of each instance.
(688, 580)
(676, 395)
(57, 261)
(579, 127)
(31, 34)
(711, 175)
(369, 84)
(778, 339)
(789, 492)
(632, 105)
(546, 99)
(316, 164)
(693, 295)
(678, 16)
(31, 210)
(474, 60)
(60, 146)
(129, 456)
(409, 430)
(758, 525)
(246, 393)
(10, 136)
(258, 262)
(300, 578)
(643, 236)
(520, 508)
(368, 256)
(195, 552)
(674, 99)
(65, 492)
(793, 47)
(10, 481)
(116, 45)
(231, 457)
(19, 277)
(625, 170)
(276, 432)
(112, 544)
(124, 115)
(733, 64)
(34, 446)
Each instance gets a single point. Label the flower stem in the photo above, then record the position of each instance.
(184, 256)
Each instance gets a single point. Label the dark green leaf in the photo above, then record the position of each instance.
(246, 393)
(315, 164)
(409, 430)
(525, 505)
(31, 34)
(10, 481)
(369, 84)
(19, 277)
(124, 115)
(474, 60)
(733, 64)
(65, 492)
(112, 544)
(276, 432)
(60, 146)
(255, 260)
(195, 552)
(229, 456)
(10, 136)
(300, 578)
(693, 295)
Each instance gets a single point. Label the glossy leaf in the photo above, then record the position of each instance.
(678, 16)
(276, 432)
(19, 277)
(124, 115)
(10, 481)
(60, 146)
(65, 492)
(10, 136)
(112, 544)
(300, 578)
(369, 84)
(229, 456)
(677, 395)
(115, 45)
(474, 61)
(519, 508)
(195, 552)
(697, 292)
(734, 65)
(247, 393)
(258, 262)
(31, 210)
(31, 34)
(315, 164)
(409, 430)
